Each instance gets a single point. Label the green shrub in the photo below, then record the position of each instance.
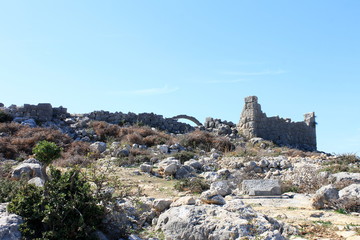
(4, 117)
(194, 185)
(63, 209)
(8, 189)
(46, 151)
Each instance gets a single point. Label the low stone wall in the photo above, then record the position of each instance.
(148, 119)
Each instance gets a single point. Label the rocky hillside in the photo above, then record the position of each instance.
(146, 183)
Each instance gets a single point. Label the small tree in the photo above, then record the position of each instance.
(67, 211)
(46, 152)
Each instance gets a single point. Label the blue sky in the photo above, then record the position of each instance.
(200, 58)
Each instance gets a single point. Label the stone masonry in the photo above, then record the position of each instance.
(42, 112)
(255, 123)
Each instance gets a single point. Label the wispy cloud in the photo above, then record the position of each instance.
(147, 91)
(262, 73)
(227, 81)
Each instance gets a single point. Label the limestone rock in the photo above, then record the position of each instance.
(171, 169)
(222, 188)
(161, 204)
(27, 170)
(325, 196)
(9, 224)
(37, 182)
(163, 148)
(351, 191)
(184, 172)
(146, 168)
(187, 200)
(212, 197)
(193, 163)
(346, 176)
(261, 187)
(233, 220)
(98, 147)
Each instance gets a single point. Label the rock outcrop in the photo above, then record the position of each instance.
(230, 221)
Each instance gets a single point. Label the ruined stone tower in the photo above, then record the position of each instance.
(254, 123)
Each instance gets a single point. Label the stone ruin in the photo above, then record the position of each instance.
(42, 112)
(254, 123)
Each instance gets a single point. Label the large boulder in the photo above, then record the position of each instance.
(261, 187)
(161, 204)
(346, 176)
(27, 170)
(222, 188)
(212, 197)
(146, 168)
(233, 220)
(185, 172)
(349, 198)
(351, 191)
(98, 147)
(325, 196)
(9, 224)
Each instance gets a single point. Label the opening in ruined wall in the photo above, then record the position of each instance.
(191, 123)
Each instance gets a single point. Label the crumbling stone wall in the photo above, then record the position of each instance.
(149, 119)
(42, 112)
(255, 123)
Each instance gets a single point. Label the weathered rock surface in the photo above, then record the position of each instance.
(146, 168)
(98, 147)
(230, 221)
(188, 200)
(346, 176)
(325, 196)
(9, 224)
(222, 188)
(27, 170)
(351, 191)
(261, 187)
(212, 197)
(161, 204)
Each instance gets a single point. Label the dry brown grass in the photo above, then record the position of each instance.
(130, 135)
(21, 139)
(206, 141)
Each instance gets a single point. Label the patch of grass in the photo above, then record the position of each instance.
(341, 211)
(324, 223)
(347, 162)
(194, 185)
(292, 208)
(317, 231)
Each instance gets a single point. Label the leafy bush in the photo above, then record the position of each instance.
(64, 209)
(8, 189)
(46, 151)
(194, 185)
(4, 117)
